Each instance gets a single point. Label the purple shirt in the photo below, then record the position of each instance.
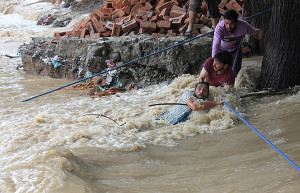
(225, 40)
(214, 79)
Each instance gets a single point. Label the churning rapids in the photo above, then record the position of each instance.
(51, 144)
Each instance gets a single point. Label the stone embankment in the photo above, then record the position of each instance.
(73, 57)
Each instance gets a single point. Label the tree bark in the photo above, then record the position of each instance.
(260, 21)
(281, 62)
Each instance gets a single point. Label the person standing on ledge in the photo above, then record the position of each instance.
(229, 33)
(195, 9)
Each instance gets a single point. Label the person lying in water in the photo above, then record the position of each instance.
(194, 101)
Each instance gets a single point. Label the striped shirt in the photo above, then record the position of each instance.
(179, 112)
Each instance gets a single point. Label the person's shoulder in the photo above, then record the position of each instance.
(208, 62)
(186, 95)
(243, 23)
(211, 59)
(220, 26)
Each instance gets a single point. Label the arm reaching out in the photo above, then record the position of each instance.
(202, 105)
(258, 34)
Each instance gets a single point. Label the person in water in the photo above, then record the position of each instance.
(194, 100)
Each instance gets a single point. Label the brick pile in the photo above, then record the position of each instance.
(54, 1)
(159, 18)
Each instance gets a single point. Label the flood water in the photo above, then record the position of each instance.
(53, 144)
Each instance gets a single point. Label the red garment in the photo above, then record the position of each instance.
(214, 79)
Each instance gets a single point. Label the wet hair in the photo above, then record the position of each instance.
(206, 83)
(231, 14)
(224, 56)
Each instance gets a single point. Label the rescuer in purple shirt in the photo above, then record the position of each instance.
(229, 33)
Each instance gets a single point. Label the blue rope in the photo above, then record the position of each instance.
(236, 54)
(273, 146)
(189, 40)
(243, 11)
(258, 13)
(237, 51)
(262, 137)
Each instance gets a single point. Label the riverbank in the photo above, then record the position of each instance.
(77, 56)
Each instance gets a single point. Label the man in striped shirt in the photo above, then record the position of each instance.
(194, 101)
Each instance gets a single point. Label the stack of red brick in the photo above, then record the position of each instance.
(54, 1)
(159, 18)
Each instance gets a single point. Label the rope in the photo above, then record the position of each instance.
(273, 146)
(264, 138)
(243, 12)
(237, 51)
(236, 55)
(258, 13)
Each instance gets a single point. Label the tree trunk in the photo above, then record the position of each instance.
(281, 62)
(260, 21)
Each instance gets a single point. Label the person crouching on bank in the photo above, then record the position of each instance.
(217, 71)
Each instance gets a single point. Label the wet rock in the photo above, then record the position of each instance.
(68, 3)
(85, 5)
(62, 21)
(46, 19)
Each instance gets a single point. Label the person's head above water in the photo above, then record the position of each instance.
(202, 90)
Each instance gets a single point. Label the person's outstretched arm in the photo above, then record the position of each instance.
(258, 34)
(202, 105)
